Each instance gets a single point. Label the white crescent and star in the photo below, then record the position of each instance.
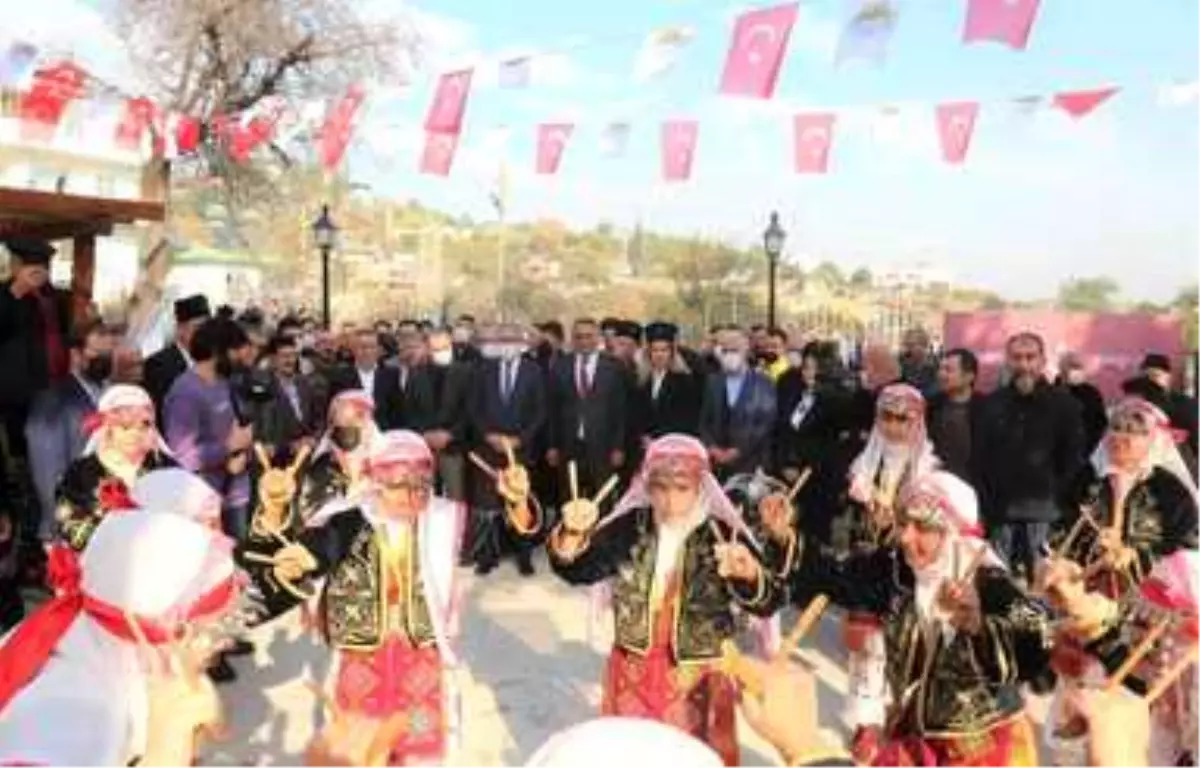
(749, 39)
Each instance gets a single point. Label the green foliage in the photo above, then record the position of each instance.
(1089, 294)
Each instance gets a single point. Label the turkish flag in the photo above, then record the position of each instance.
(1001, 21)
(339, 124)
(678, 148)
(756, 52)
(439, 153)
(813, 136)
(42, 107)
(956, 123)
(136, 116)
(175, 134)
(1080, 103)
(449, 103)
(551, 141)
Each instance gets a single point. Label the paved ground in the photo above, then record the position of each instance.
(530, 673)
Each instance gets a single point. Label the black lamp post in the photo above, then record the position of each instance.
(773, 239)
(325, 237)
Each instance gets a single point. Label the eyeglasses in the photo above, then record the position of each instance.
(894, 418)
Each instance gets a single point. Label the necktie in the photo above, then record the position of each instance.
(506, 378)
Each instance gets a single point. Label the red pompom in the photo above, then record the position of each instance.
(63, 571)
(113, 495)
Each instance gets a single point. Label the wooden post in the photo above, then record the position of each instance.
(83, 272)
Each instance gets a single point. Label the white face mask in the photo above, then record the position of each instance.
(513, 351)
(491, 351)
(733, 362)
(442, 356)
(461, 335)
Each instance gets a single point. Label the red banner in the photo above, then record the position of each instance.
(756, 53)
(956, 124)
(439, 151)
(449, 103)
(813, 136)
(1111, 345)
(551, 141)
(1080, 103)
(1002, 21)
(54, 87)
(136, 117)
(339, 124)
(678, 148)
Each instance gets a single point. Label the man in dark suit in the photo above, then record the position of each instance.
(669, 395)
(296, 412)
(380, 381)
(590, 396)
(507, 407)
(737, 420)
(441, 390)
(955, 414)
(164, 366)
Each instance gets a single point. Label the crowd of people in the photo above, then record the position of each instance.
(979, 545)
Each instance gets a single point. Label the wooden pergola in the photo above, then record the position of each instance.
(58, 216)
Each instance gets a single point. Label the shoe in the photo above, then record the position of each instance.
(240, 648)
(221, 672)
(525, 566)
(485, 567)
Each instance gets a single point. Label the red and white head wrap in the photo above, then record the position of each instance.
(144, 575)
(1163, 449)
(684, 454)
(400, 448)
(120, 401)
(350, 400)
(918, 452)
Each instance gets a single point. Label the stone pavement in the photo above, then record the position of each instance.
(530, 671)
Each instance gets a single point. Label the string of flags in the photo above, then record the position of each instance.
(50, 92)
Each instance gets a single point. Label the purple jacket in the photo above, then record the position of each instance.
(199, 417)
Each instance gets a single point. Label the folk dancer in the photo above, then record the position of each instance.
(337, 469)
(665, 549)
(897, 451)
(390, 605)
(1140, 507)
(124, 445)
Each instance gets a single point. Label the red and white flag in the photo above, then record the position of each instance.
(956, 123)
(814, 137)
(176, 134)
(1080, 103)
(678, 148)
(551, 141)
(42, 107)
(137, 116)
(439, 153)
(756, 52)
(449, 103)
(339, 125)
(1002, 21)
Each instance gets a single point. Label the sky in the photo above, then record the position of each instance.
(1040, 199)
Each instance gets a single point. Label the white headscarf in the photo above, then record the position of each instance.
(86, 703)
(1163, 451)
(915, 458)
(350, 398)
(942, 500)
(116, 398)
(623, 741)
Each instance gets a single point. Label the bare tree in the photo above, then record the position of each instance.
(212, 58)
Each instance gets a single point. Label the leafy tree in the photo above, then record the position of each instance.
(828, 273)
(1088, 294)
(861, 278)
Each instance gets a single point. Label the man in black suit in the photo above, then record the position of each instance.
(669, 395)
(167, 364)
(591, 399)
(737, 420)
(440, 391)
(381, 382)
(296, 412)
(507, 407)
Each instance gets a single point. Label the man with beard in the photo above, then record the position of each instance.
(917, 366)
(955, 413)
(1031, 447)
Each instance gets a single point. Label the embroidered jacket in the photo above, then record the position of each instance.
(88, 491)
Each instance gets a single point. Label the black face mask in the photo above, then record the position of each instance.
(98, 369)
(346, 438)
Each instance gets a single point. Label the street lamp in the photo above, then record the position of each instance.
(325, 237)
(773, 239)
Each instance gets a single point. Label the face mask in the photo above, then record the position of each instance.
(98, 369)
(513, 351)
(307, 367)
(733, 362)
(492, 351)
(795, 359)
(442, 356)
(346, 438)
(461, 335)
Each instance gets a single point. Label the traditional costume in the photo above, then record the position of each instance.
(390, 603)
(124, 445)
(73, 675)
(956, 692)
(337, 469)
(1153, 506)
(878, 478)
(672, 610)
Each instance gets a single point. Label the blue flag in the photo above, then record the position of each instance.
(869, 31)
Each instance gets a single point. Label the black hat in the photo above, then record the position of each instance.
(30, 250)
(552, 327)
(660, 331)
(1157, 362)
(628, 329)
(193, 307)
(609, 324)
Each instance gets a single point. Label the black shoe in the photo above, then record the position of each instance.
(221, 672)
(240, 648)
(484, 567)
(525, 566)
